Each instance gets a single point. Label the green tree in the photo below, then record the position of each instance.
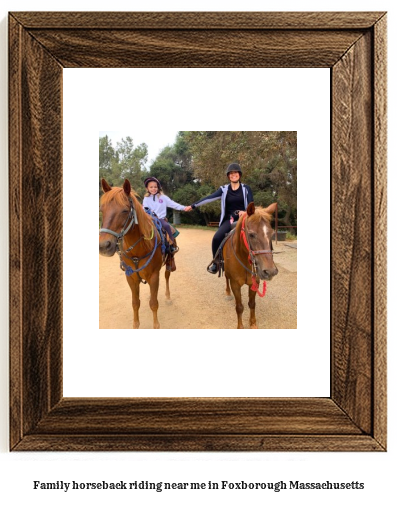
(194, 166)
(172, 166)
(188, 194)
(210, 212)
(108, 160)
(268, 161)
(132, 160)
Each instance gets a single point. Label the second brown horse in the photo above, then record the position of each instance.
(248, 257)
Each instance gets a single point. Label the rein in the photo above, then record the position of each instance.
(128, 269)
(132, 219)
(251, 260)
(235, 254)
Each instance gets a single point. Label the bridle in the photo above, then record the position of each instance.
(131, 220)
(252, 253)
(251, 259)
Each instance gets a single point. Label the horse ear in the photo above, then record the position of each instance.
(105, 185)
(271, 209)
(127, 187)
(251, 209)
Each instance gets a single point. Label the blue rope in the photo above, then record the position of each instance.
(128, 269)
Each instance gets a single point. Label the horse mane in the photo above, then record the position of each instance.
(259, 214)
(119, 197)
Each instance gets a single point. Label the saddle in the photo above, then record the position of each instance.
(168, 252)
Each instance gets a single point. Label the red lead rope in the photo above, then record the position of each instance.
(254, 286)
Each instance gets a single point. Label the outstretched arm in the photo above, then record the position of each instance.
(172, 204)
(205, 200)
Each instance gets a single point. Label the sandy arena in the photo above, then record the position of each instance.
(198, 299)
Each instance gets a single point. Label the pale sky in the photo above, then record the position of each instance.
(156, 140)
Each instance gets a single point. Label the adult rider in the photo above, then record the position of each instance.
(235, 197)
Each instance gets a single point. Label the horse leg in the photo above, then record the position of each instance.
(167, 284)
(153, 302)
(236, 288)
(228, 293)
(251, 304)
(227, 287)
(134, 286)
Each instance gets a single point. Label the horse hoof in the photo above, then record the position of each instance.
(168, 302)
(253, 326)
(228, 298)
(156, 326)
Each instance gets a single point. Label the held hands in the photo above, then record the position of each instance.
(188, 208)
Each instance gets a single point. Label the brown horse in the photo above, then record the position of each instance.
(129, 230)
(248, 257)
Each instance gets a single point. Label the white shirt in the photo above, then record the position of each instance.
(160, 203)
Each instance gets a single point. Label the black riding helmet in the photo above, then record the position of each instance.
(152, 178)
(234, 168)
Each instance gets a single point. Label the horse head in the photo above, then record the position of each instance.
(258, 232)
(118, 215)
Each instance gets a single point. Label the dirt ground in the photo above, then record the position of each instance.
(198, 299)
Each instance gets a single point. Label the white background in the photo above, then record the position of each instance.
(236, 363)
(17, 471)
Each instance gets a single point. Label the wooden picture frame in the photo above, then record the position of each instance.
(353, 46)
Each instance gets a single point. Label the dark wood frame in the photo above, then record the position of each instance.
(353, 46)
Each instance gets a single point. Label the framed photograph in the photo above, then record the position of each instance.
(353, 47)
(197, 294)
(268, 175)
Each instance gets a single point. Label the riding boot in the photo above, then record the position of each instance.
(213, 268)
